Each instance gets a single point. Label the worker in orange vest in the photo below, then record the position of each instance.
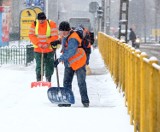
(74, 59)
(42, 32)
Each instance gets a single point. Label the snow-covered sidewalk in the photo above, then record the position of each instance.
(24, 109)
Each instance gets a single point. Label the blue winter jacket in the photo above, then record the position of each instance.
(68, 52)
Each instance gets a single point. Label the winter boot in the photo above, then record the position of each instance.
(64, 105)
(48, 78)
(85, 105)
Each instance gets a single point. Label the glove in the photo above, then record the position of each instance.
(56, 62)
(44, 46)
(55, 43)
(39, 45)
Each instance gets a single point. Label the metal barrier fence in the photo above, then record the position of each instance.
(16, 55)
(138, 77)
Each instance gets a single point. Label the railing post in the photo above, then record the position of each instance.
(142, 95)
(136, 89)
(152, 98)
(132, 80)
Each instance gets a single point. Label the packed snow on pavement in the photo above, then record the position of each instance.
(24, 109)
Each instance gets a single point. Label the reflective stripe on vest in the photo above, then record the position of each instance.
(78, 60)
(42, 38)
(48, 31)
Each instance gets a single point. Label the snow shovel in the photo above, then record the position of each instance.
(41, 83)
(60, 95)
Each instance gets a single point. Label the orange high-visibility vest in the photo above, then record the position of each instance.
(78, 60)
(44, 34)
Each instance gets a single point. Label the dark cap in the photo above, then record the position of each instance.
(64, 26)
(41, 16)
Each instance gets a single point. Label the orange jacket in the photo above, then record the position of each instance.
(79, 59)
(41, 37)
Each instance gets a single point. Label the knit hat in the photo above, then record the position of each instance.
(64, 26)
(41, 16)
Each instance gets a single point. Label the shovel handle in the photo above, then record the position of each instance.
(57, 74)
(42, 57)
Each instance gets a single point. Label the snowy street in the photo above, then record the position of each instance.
(26, 109)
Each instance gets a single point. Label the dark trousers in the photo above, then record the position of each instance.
(88, 58)
(133, 43)
(48, 64)
(81, 79)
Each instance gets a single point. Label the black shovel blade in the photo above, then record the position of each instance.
(60, 95)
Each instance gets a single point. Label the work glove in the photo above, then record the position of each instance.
(39, 45)
(56, 62)
(55, 43)
(44, 46)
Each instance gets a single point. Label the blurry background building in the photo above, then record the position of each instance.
(57, 10)
(5, 20)
(144, 15)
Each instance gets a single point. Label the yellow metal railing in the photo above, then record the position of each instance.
(138, 77)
